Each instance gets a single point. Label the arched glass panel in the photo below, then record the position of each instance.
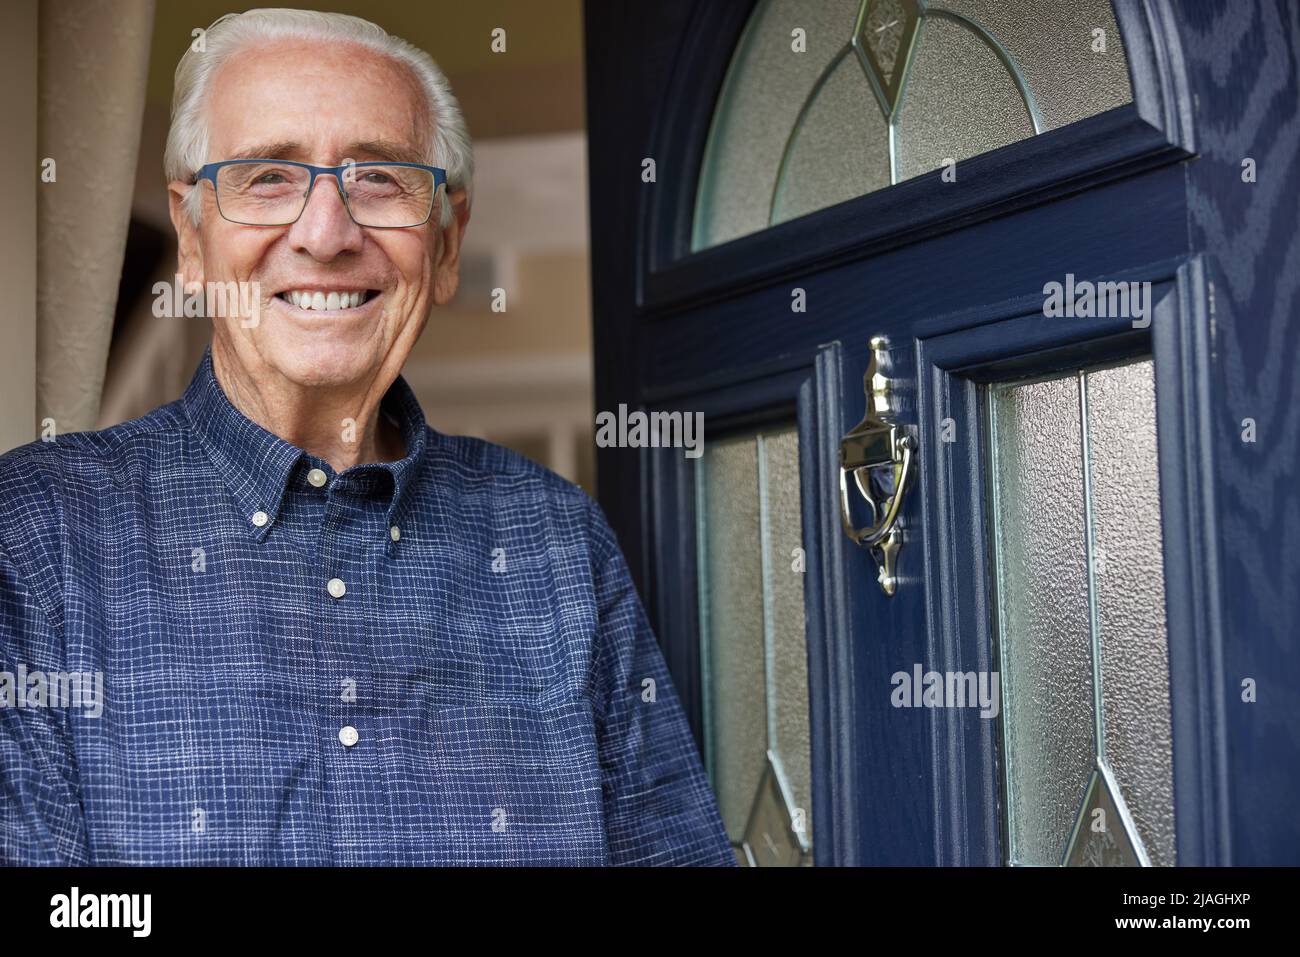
(826, 101)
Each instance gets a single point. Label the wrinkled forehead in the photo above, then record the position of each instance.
(317, 101)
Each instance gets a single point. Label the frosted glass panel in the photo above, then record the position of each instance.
(766, 87)
(1043, 613)
(788, 695)
(1051, 43)
(839, 151)
(755, 654)
(1129, 581)
(1081, 614)
(732, 607)
(954, 78)
(956, 113)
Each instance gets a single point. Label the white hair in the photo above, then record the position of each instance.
(187, 140)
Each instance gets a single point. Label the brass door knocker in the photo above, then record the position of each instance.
(877, 442)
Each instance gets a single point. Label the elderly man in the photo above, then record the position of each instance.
(326, 633)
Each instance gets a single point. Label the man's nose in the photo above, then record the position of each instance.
(325, 229)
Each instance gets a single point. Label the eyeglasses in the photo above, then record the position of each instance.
(269, 192)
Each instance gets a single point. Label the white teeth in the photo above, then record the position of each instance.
(311, 299)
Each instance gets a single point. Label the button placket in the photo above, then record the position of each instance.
(352, 734)
(345, 720)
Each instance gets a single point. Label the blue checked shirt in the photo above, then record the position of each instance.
(438, 660)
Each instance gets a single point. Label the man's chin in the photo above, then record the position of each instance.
(318, 362)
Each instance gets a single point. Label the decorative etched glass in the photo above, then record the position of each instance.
(936, 82)
(753, 646)
(1087, 746)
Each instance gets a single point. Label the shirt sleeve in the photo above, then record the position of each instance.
(659, 807)
(41, 819)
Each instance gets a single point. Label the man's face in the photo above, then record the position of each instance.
(321, 104)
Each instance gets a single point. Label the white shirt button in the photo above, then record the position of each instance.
(260, 519)
(395, 533)
(336, 588)
(316, 477)
(348, 736)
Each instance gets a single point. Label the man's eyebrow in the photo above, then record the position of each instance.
(386, 150)
(367, 150)
(284, 149)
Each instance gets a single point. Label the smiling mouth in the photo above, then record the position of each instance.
(317, 300)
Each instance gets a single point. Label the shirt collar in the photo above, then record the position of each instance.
(257, 465)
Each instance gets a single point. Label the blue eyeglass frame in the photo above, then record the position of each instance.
(209, 172)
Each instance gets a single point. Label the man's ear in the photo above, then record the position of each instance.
(446, 278)
(189, 253)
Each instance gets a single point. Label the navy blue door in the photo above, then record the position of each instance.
(775, 184)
